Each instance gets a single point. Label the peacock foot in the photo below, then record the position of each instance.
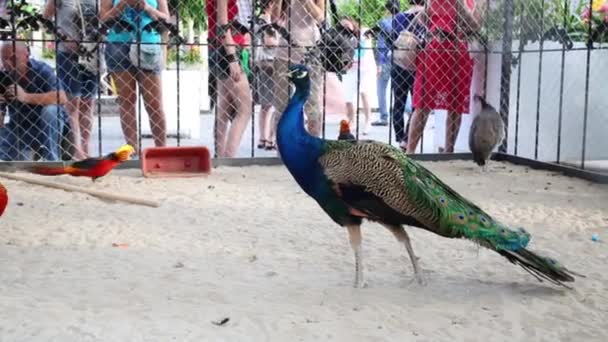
(421, 280)
(360, 283)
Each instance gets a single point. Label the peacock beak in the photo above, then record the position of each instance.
(287, 74)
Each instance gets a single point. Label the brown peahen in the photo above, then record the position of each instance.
(487, 131)
(356, 180)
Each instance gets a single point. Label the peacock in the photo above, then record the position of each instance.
(487, 131)
(355, 180)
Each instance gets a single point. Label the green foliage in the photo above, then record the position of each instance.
(532, 17)
(367, 11)
(191, 55)
(190, 10)
(48, 53)
(535, 17)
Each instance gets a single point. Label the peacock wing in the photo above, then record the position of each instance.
(369, 177)
(383, 183)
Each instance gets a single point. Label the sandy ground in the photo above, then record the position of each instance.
(246, 244)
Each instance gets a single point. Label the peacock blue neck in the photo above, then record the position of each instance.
(298, 149)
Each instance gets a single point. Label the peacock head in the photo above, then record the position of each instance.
(298, 74)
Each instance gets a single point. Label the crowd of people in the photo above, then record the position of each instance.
(50, 109)
(440, 79)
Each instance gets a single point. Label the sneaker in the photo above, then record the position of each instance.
(380, 123)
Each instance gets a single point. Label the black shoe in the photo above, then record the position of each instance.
(380, 123)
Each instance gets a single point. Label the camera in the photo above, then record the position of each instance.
(6, 80)
(338, 46)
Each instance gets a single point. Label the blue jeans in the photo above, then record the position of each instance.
(403, 83)
(118, 59)
(76, 81)
(381, 85)
(44, 134)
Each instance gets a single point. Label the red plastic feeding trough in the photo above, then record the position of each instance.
(186, 161)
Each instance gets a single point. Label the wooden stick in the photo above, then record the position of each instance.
(72, 188)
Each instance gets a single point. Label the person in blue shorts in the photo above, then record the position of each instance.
(134, 57)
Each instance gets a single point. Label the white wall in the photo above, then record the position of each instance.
(573, 104)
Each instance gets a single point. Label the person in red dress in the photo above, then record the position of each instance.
(443, 73)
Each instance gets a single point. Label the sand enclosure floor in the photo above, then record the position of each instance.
(247, 244)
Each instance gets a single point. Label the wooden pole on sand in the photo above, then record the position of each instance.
(72, 188)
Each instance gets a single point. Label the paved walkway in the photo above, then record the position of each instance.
(111, 136)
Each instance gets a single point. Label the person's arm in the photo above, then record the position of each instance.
(51, 90)
(161, 13)
(275, 15)
(316, 8)
(221, 7)
(107, 11)
(45, 99)
(49, 9)
(222, 21)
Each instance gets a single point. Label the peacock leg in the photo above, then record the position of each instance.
(354, 234)
(402, 237)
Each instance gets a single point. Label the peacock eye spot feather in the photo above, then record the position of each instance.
(461, 217)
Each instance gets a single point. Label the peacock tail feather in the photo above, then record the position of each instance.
(398, 190)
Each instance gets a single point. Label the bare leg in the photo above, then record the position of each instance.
(350, 113)
(271, 127)
(452, 127)
(419, 118)
(86, 124)
(367, 111)
(402, 237)
(152, 93)
(241, 98)
(354, 234)
(314, 126)
(126, 87)
(264, 123)
(73, 109)
(224, 109)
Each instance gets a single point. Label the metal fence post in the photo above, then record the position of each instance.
(505, 69)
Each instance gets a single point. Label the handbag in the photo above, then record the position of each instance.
(337, 46)
(406, 46)
(90, 56)
(146, 56)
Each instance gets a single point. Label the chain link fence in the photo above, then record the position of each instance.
(183, 72)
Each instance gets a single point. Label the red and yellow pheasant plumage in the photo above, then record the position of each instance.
(90, 167)
(3, 199)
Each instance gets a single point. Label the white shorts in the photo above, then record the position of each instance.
(349, 83)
